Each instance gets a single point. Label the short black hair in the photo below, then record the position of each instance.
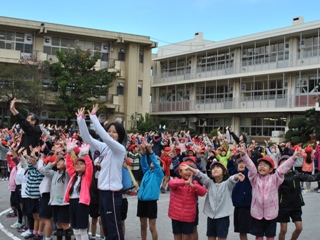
(34, 117)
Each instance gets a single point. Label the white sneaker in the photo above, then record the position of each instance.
(16, 225)
(26, 233)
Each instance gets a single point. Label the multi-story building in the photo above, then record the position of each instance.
(255, 83)
(128, 54)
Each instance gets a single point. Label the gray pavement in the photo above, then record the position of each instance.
(310, 218)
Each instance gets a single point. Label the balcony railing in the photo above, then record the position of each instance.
(249, 103)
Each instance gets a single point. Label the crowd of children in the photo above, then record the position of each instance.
(60, 176)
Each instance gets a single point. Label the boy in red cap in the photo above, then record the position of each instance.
(166, 162)
(134, 157)
(264, 207)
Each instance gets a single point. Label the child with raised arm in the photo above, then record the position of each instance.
(78, 189)
(265, 205)
(218, 205)
(184, 194)
(149, 192)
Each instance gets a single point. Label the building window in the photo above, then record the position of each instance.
(139, 90)
(140, 57)
(52, 44)
(120, 88)
(122, 54)
(16, 41)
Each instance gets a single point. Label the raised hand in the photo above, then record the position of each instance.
(71, 144)
(80, 112)
(189, 181)
(94, 110)
(84, 149)
(143, 148)
(297, 153)
(239, 177)
(12, 103)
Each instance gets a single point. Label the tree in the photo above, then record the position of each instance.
(24, 82)
(77, 82)
(313, 125)
(298, 132)
(145, 124)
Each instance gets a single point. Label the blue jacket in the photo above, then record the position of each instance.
(242, 191)
(150, 185)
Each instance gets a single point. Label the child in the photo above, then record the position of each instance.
(218, 205)
(134, 158)
(59, 184)
(264, 206)
(307, 164)
(183, 201)
(149, 192)
(166, 161)
(78, 191)
(291, 200)
(223, 155)
(241, 198)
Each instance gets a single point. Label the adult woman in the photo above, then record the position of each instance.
(112, 154)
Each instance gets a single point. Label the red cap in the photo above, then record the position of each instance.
(186, 164)
(167, 149)
(4, 143)
(308, 150)
(192, 158)
(267, 159)
(295, 147)
(76, 150)
(132, 147)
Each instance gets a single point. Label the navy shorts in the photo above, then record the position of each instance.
(124, 209)
(61, 214)
(94, 210)
(182, 227)
(33, 205)
(286, 213)
(148, 209)
(264, 227)
(79, 214)
(242, 219)
(45, 210)
(218, 227)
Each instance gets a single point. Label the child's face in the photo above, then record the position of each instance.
(273, 150)
(80, 167)
(185, 173)
(241, 166)
(61, 164)
(264, 168)
(216, 172)
(223, 153)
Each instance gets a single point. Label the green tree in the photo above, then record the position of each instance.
(77, 82)
(24, 82)
(313, 125)
(145, 124)
(298, 131)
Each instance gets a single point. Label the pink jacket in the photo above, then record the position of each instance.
(183, 199)
(13, 173)
(85, 183)
(307, 167)
(265, 203)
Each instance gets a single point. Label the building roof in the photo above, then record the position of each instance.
(297, 27)
(51, 28)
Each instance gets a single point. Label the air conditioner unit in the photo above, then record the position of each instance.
(193, 119)
(44, 114)
(277, 133)
(28, 38)
(103, 117)
(115, 100)
(47, 41)
(183, 119)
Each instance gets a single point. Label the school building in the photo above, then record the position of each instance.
(255, 83)
(128, 54)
